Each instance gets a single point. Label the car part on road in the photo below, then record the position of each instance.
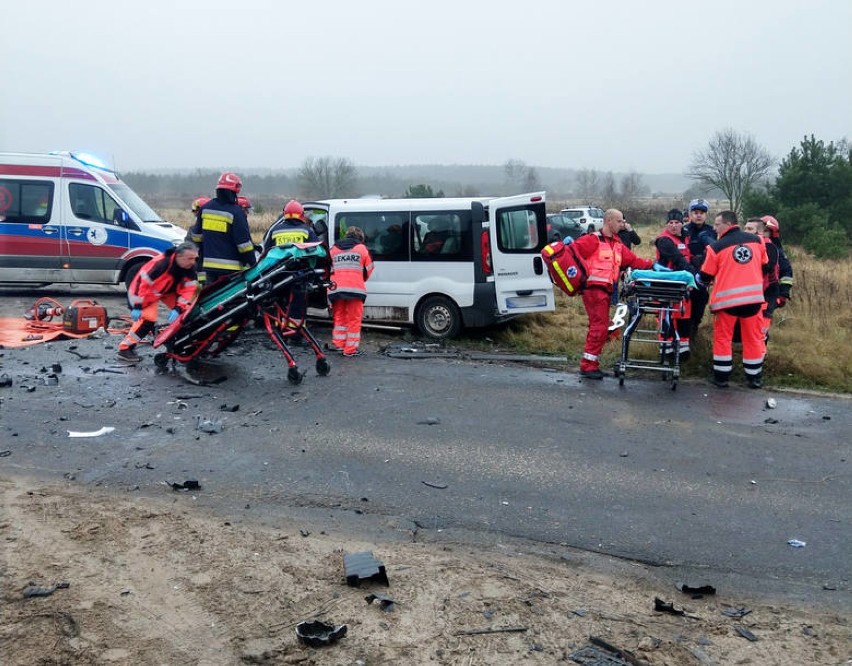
(363, 566)
(94, 433)
(315, 633)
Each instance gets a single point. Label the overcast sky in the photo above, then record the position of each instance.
(611, 85)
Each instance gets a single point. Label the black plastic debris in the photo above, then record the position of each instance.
(666, 607)
(5, 380)
(33, 590)
(363, 566)
(315, 633)
(189, 484)
(431, 484)
(741, 611)
(6, 453)
(696, 592)
(745, 633)
(229, 408)
(385, 602)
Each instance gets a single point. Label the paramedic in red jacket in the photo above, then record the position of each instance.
(604, 255)
(169, 277)
(351, 267)
(736, 263)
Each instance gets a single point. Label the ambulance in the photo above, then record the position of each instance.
(442, 265)
(67, 217)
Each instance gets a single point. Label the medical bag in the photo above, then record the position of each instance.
(565, 267)
(84, 316)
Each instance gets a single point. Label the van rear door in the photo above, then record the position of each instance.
(518, 232)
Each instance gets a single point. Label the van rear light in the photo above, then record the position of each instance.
(535, 199)
(485, 253)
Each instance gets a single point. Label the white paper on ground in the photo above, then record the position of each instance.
(93, 433)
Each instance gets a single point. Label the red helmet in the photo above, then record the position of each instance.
(244, 203)
(294, 209)
(229, 181)
(198, 203)
(772, 224)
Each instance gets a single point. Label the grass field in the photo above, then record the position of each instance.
(808, 345)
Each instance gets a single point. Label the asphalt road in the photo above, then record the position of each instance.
(704, 485)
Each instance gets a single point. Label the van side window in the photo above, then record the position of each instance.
(26, 201)
(443, 236)
(93, 204)
(384, 233)
(517, 229)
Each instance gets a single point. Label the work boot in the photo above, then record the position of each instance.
(596, 373)
(755, 381)
(128, 356)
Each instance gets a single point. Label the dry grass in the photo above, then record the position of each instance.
(807, 349)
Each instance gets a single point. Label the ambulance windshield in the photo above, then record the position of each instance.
(142, 210)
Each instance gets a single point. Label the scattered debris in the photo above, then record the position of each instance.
(745, 633)
(5, 380)
(667, 607)
(592, 656)
(315, 633)
(431, 420)
(771, 403)
(439, 486)
(6, 453)
(795, 543)
(226, 408)
(189, 484)
(94, 433)
(740, 611)
(33, 590)
(696, 592)
(385, 602)
(363, 566)
(210, 426)
(770, 421)
(491, 630)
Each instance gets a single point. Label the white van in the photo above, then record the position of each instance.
(66, 217)
(445, 264)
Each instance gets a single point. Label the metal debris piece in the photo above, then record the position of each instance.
(189, 484)
(667, 607)
(94, 433)
(740, 611)
(385, 602)
(439, 486)
(795, 543)
(696, 592)
(745, 633)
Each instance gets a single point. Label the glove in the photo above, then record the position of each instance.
(567, 240)
(660, 267)
(174, 314)
(135, 313)
(781, 302)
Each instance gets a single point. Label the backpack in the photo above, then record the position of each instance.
(565, 267)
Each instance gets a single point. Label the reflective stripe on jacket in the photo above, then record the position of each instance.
(285, 231)
(351, 267)
(221, 229)
(735, 262)
(162, 275)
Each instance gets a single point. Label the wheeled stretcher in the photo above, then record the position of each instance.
(262, 293)
(648, 298)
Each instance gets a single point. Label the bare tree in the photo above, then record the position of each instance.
(520, 176)
(588, 184)
(327, 177)
(732, 162)
(609, 190)
(532, 183)
(631, 187)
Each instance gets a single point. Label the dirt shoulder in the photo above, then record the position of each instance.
(160, 580)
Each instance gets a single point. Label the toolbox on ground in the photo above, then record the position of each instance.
(84, 316)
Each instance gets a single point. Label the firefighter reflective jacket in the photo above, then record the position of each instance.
(735, 263)
(351, 267)
(605, 256)
(162, 275)
(285, 231)
(221, 230)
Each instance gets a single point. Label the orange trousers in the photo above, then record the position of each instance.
(347, 314)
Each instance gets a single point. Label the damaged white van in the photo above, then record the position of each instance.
(445, 264)
(67, 217)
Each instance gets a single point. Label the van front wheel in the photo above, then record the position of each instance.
(131, 273)
(438, 318)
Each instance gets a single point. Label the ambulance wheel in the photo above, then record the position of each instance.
(294, 376)
(131, 272)
(161, 360)
(323, 367)
(438, 318)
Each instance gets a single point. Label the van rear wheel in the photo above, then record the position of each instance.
(438, 318)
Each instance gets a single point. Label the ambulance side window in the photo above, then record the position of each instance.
(93, 204)
(26, 201)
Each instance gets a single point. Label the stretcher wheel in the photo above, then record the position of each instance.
(294, 376)
(323, 367)
(161, 360)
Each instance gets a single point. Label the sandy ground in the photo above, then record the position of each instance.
(157, 580)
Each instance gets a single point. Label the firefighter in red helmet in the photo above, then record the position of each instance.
(785, 269)
(222, 232)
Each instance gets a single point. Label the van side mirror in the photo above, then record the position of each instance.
(121, 218)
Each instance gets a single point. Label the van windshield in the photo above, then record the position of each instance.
(142, 210)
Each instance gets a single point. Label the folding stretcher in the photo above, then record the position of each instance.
(262, 293)
(646, 293)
